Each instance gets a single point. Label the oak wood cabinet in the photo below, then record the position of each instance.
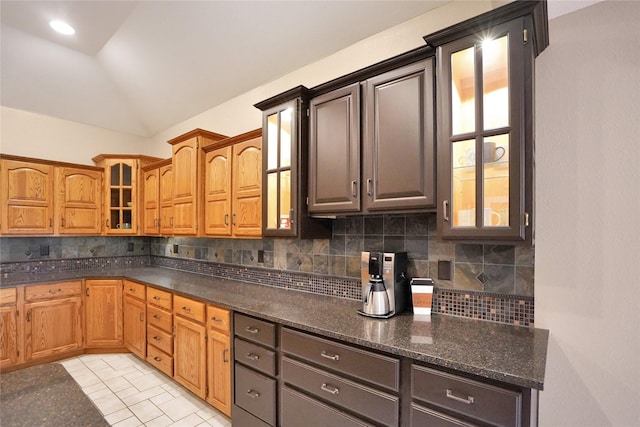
(26, 198)
(122, 175)
(190, 347)
(157, 198)
(160, 329)
(9, 352)
(284, 163)
(398, 144)
(135, 318)
(53, 319)
(233, 186)
(219, 359)
(103, 313)
(188, 179)
(79, 208)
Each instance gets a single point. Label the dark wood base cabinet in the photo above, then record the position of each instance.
(289, 378)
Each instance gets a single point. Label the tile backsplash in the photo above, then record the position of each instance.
(500, 269)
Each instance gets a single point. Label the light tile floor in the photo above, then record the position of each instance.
(129, 392)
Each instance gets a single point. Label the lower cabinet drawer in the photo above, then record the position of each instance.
(159, 318)
(244, 419)
(160, 339)
(301, 410)
(368, 402)
(421, 417)
(160, 360)
(255, 330)
(365, 365)
(256, 394)
(255, 356)
(483, 402)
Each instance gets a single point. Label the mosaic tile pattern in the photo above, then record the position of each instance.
(73, 264)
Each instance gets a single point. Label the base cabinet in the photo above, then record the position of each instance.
(190, 350)
(219, 359)
(135, 318)
(53, 319)
(103, 313)
(8, 327)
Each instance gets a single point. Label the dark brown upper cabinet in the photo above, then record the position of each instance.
(374, 153)
(284, 164)
(485, 124)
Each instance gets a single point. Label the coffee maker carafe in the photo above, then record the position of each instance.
(384, 285)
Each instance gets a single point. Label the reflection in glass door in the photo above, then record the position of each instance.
(480, 134)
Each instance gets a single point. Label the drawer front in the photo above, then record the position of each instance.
(52, 290)
(255, 330)
(373, 404)
(218, 319)
(244, 419)
(160, 360)
(188, 308)
(300, 410)
(160, 298)
(365, 365)
(421, 416)
(160, 339)
(256, 394)
(159, 318)
(134, 289)
(480, 401)
(255, 356)
(8, 296)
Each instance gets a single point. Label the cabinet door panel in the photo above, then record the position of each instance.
(190, 355)
(166, 200)
(334, 151)
(27, 198)
(135, 331)
(247, 188)
(80, 201)
(53, 327)
(103, 309)
(219, 371)
(151, 202)
(399, 139)
(218, 192)
(8, 336)
(185, 187)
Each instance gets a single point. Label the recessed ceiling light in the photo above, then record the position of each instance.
(62, 27)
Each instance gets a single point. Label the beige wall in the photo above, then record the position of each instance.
(587, 286)
(33, 135)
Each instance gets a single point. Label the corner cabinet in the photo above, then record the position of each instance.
(284, 164)
(485, 139)
(122, 194)
(157, 198)
(398, 144)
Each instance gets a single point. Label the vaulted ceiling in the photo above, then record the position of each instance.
(140, 67)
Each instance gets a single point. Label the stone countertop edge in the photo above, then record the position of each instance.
(511, 354)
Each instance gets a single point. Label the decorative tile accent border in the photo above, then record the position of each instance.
(501, 308)
(341, 287)
(73, 264)
(510, 309)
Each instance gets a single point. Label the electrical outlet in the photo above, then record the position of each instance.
(130, 247)
(44, 250)
(260, 255)
(175, 249)
(444, 270)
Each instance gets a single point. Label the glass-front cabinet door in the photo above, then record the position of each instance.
(482, 140)
(120, 192)
(279, 200)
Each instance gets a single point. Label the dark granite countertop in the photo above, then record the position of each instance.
(511, 354)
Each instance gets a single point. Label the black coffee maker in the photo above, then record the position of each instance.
(384, 283)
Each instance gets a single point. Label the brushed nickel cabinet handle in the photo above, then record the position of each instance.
(252, 356)
(468, 400)
(445, 210)
(354, 189)
(326, 355)
(329, 388)
(252, 330)
(253, 394)
(370, 187)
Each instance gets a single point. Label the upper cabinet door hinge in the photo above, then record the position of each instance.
(525, 36)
